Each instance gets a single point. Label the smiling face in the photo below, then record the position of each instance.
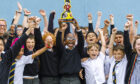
(30, 44)
(19, 31)
(91, 38)
(49, 40)
(3, 27)
(20, 53)
(119, 39)
(137, 46)
(93, 51)
(70, 40)
(106, 37)
(118, 54)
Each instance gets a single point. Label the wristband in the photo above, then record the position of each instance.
(19, 12)
(26, 15)
(48, 46)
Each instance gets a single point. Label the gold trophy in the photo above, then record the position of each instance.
(66, 16)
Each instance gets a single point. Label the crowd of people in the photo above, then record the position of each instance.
(85, 55)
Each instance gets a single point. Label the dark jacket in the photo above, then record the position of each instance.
(70, 60)
(131, 57)
(8, 57)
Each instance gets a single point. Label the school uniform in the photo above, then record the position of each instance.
(70, 60)
(94, 70)
(120, 70)
(8, 57)
(19, 68)
(132, 70)
(48, 71)
(31, 71)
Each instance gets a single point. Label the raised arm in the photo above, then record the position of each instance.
(98, 21)
(59, 44)
(80, 44)
(17, 17)
(38, 37)
(136, 27)
(43, 14)
(51, 19)
(26, 14)
(12, 53)
(114, 31)
(111, 23)
(103, 47)
(106, 24)
(11, 37)
(42, 50)
(127, 44)
(90, 25)
(131, 30)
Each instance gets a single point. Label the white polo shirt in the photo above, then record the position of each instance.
(120, 71)
(94, 70)
(20, 64)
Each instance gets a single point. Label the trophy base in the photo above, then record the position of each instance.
(67, 20)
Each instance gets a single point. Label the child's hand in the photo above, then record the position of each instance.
(37, 22)
(111, 17)
(129, 17)
(60, 22)
(80, 74)
(49, 45)
(136, 23)
(126, 26)
(27, 12)
(114, 30)
(42, 12)
(90, 17)
(106, 22)
(75, 23)
(99, 13)
(100, 31)
(64, 26)
(19, 7)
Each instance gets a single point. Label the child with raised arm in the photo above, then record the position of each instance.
(70, 56)
(94, 66)
(8, 57)
(133, 56)
(118, 61)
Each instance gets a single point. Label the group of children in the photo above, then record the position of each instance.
(58, 56)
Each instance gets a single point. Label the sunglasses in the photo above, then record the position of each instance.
(70, 38)
(3, 25)
(19, 29)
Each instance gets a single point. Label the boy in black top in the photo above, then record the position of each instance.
(70, 58)
(9, 56)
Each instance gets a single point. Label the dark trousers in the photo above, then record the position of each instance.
(69, 80)
(50, 80)
(31, 81)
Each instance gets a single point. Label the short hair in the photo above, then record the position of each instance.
(46, 34)
(4, 21)
(93, 33)
(136, 38)
(95, 45)
(19, 26)
(119, 33)
(118, 47)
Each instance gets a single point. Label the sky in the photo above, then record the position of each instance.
(80, 10)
